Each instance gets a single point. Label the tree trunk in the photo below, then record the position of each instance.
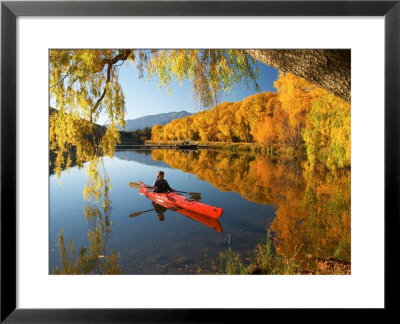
(329, 69)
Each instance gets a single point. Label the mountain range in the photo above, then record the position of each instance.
(151, 120)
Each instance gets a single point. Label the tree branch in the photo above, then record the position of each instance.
(328, 69)
(62, 79)
(122, 56)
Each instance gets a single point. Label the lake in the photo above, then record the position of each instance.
(308, 211)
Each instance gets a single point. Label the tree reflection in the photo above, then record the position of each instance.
(312, 203)
(94, 258)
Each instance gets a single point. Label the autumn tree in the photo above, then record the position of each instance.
(295, 95)
(265, 132)
(327, 133)
(226, 123)
(157, 133)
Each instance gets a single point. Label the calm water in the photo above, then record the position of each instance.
(307, 210)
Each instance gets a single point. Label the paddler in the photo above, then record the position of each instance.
(161, 185)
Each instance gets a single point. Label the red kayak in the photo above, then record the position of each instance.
(172, 199)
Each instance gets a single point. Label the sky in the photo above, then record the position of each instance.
(144, 97)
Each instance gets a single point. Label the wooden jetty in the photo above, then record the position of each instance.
(130, 146)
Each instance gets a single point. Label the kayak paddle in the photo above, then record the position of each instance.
(134, 185)
(195, 195)
(140, 213)
(138, 185)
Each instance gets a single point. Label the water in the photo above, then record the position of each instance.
(256, 193)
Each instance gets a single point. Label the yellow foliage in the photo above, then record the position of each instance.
(227, 122)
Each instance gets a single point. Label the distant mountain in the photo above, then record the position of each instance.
(151, 120)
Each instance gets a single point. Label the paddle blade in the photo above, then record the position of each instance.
(134, 185)
(195, 195)
(136, 214)
(140, 213)
(137, 185)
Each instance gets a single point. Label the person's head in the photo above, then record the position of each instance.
(160, 175)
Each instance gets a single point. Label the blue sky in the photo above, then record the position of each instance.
(144, 98)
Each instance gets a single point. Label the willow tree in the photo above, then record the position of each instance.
(84, 85)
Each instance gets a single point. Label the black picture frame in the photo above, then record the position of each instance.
(10, 10)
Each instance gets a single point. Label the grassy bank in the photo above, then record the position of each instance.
(266, 261)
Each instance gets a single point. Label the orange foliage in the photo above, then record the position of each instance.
(226, 122)
(312, 206)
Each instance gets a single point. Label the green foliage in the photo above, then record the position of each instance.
(265, 261)
(327, 134)
(137, 136)
(230, 263)
(268, 262)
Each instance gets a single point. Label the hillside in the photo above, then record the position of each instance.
(151, 120)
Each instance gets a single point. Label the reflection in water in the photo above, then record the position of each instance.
(315, 221)
(160, 210)
(203, 219)
(312, 205)
(92, 259)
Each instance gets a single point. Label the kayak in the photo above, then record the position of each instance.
(204, 219)
(172, 200)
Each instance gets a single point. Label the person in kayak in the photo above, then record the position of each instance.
(161, 185)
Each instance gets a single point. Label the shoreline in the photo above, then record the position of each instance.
(274, 150)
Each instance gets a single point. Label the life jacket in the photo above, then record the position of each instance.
(161, 186)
